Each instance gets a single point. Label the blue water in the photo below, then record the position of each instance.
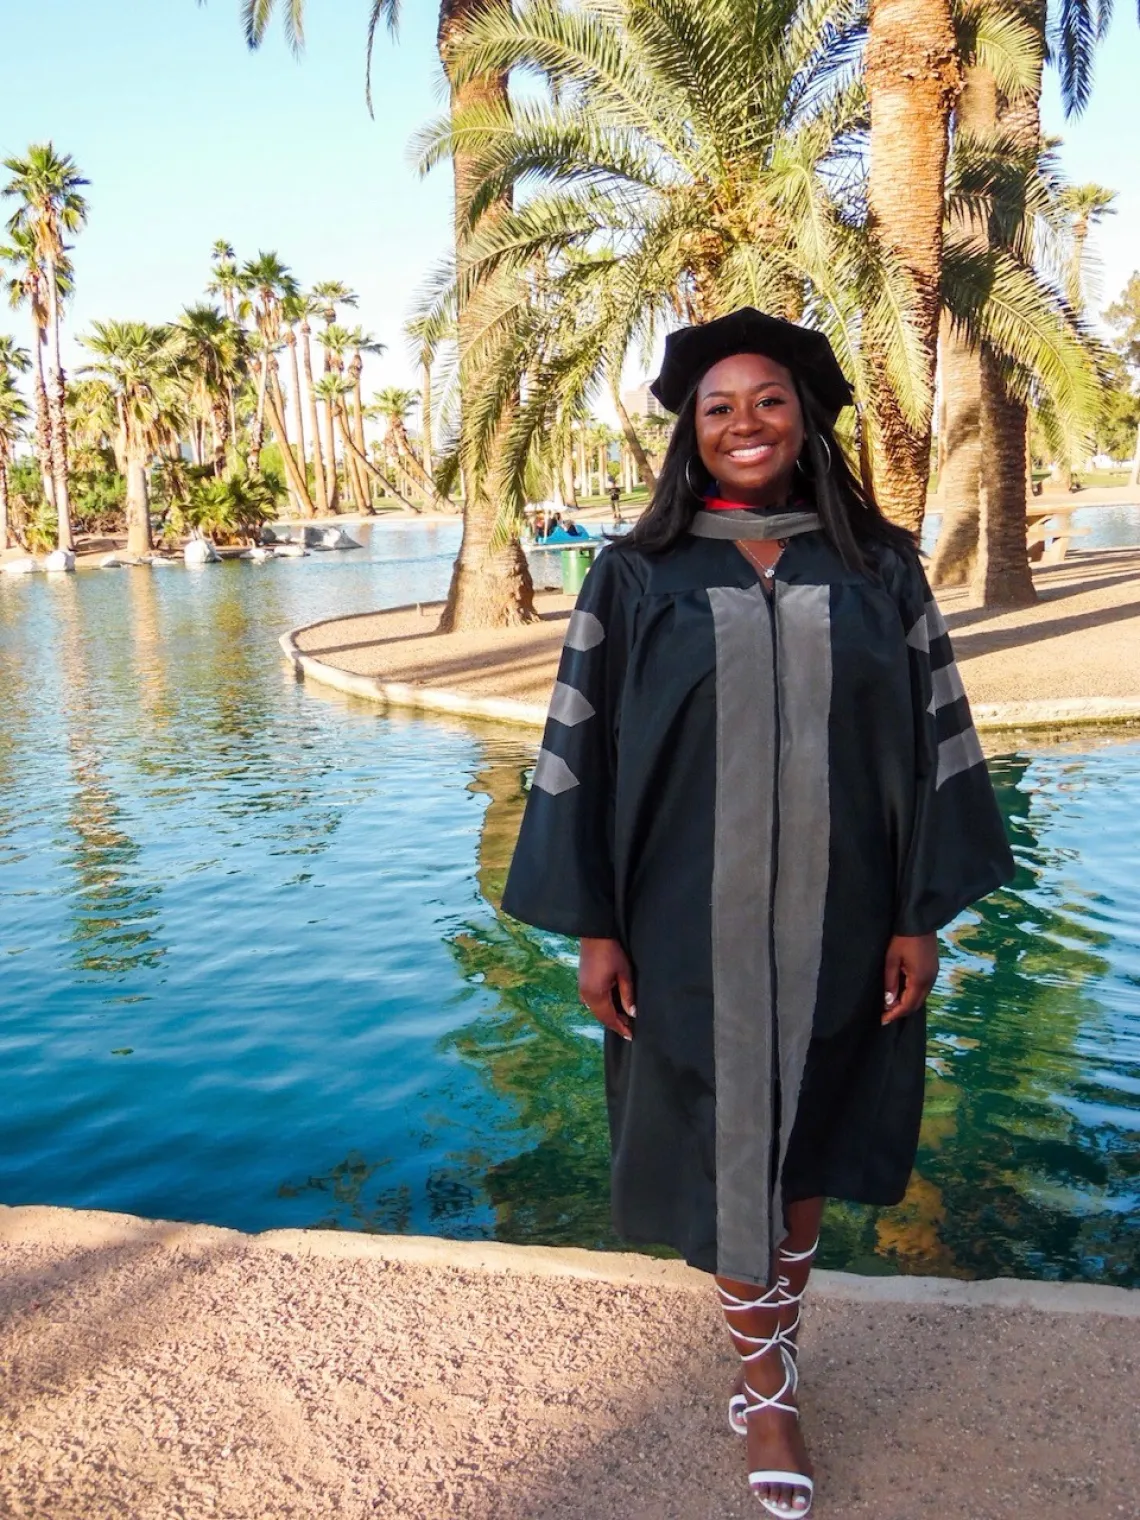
(1114, 527)
(253, 972)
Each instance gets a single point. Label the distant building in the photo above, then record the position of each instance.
(640, 403)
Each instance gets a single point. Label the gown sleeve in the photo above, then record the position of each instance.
(562, 874)
(958, 850)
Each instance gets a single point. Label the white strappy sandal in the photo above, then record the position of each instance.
(776, 1297)
(765, 1477)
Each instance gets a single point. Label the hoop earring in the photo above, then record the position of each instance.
(689, 479)
(826, 447)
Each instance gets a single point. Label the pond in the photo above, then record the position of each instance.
(253, 972)
(1106, 527)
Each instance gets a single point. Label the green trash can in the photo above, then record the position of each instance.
(575, 563)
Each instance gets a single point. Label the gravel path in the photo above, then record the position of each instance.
(209, 1374)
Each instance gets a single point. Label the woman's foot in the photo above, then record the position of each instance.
(775, 1441)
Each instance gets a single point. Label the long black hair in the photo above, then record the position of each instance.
(850, 516)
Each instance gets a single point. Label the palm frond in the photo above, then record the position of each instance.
(996, 300)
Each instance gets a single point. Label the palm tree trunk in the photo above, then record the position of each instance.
(490, 584)
(569, 486)
(220, 425)
(56, 398)
(354, 479)
(254, 457)
(3, 505)
(298, 415)
(425, 413)
(138, 501)
(1134, 473)
(1002, 576)
(333, 486)
(43, 416)
(357, 368)
(648, 474)
(370, 470)
(912, 78)
(319, 483)
(411, 466)
(275, 407)
(959, 480)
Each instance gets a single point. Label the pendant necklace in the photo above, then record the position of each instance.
(769, 571)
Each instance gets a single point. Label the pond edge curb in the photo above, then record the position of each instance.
(1061, 712)
(91, 1229)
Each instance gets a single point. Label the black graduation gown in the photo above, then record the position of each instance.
(753, 793)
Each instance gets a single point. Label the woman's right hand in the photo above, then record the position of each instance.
(603, 968)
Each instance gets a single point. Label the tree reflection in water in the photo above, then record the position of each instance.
(115, 906)
(1019, 1171)
(539, 1051)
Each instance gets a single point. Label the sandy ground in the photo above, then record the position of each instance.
(210, 1374)
(1081, 640)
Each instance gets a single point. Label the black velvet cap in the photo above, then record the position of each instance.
(691, 351)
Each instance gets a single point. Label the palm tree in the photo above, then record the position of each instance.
(216, 355)
(308, 307)
(26, 283)
(47, 188)
(689, 159)
(913, 76)
(395, 404)
(361, 343)
(1000, 153)
(14, 360)
(491, 582)
(226, 280)
(13, 415)
(335, 341)
(425, 345)
(293, 310)
(331, 389)
(142, 369)
(326, 296)
(267, 282)
(1086, 205)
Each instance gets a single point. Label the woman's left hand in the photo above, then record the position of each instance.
(912, 965)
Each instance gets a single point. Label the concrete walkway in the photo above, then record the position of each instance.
(1074, 657)
(155, 1371)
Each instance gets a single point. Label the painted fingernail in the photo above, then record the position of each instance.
(889, 1000)
(633, 1013)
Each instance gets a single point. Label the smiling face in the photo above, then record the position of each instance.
(750, 429)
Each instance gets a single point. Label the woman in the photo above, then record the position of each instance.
(759, 795)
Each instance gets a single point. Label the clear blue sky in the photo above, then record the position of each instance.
(187, 137)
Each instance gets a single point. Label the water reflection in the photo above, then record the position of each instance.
(1023, 1168)
(115, 907)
